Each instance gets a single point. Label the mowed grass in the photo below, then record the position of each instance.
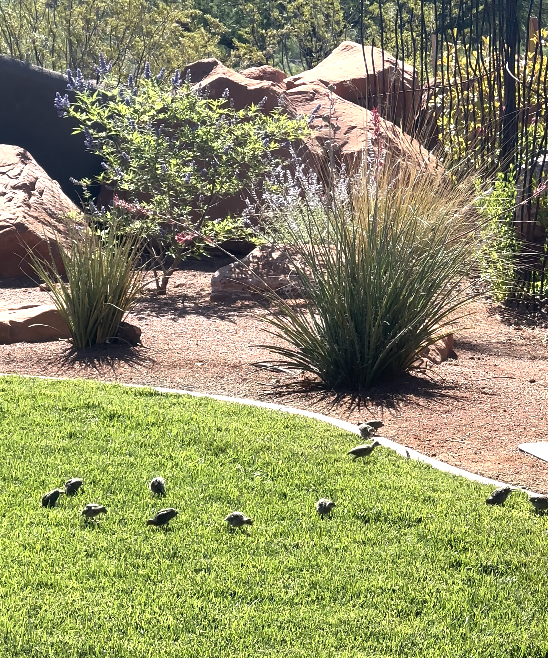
(411, 563)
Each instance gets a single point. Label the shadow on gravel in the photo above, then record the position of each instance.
(407, 389)
(104, 359)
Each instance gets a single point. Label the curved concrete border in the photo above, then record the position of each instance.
(342, 424)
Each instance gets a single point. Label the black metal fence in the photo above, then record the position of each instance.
(482, 83)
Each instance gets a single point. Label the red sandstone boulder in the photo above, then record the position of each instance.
(265, 73)
(31, 323)
(32, 212)
(352, 128)
(265, 268)
(243, 91)
(369, 77)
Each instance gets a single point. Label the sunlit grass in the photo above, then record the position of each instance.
(411, 563)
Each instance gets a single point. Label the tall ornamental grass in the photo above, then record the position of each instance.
(102, 282)
(383, 262)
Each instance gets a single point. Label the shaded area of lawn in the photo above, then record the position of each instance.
(411, 563)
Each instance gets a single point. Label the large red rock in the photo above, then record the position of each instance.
(31, 323)
(32, 212)
(265, 73)
(351, 129)
(370, 77)
(211, 74)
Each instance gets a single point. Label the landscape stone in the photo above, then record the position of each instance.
(31, 323)
(210, 74)
(265, 268)
(370, 77)
(32, 213)
(440, 351)
(355, 129)
(266, 73)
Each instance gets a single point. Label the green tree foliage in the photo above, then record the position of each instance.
(62, 34)
(172, 155)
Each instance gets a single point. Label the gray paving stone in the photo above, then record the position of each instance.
(539, 449)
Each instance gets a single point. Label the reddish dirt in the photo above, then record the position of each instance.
(471, 412)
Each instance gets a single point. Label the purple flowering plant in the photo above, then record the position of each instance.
(175, 154)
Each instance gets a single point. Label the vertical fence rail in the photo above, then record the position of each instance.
(482, 72)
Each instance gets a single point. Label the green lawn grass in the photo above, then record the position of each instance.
(411, 563)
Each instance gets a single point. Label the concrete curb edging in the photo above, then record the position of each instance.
(341, 424)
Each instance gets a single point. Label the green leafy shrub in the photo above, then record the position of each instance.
(384, 270)
(500, 245)
(173, 156)
(102, 282)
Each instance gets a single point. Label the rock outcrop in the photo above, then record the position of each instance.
(31, 323)
(351, 129)
(216, 77)
(370, 77)
(33, 209)
(264, 73)
(265, 268)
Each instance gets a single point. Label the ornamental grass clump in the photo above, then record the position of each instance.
(102, 282)
(384, 264)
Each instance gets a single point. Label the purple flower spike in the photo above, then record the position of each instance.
(130, 81)
(146, 73)
(160, 75)
(175, 79)
(70, 80)
(187, 177)
(61, 104)
(226, 94)
(163, 168)
(104, 165)
(203, 173)
(125, 156)
(88, 138)
(262, 102)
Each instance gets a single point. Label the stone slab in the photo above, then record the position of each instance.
(539, 449)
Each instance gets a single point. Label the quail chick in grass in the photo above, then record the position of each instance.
(72, 486)
(237, 520)
(540, 503)
(364, 450)
(50, 499)
(163, 517)
(158, 486)
(499, 496)
(92, 510)
(324, 506)
(366, 431)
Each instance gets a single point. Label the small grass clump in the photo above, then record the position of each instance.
(102, 283)
(411, 562)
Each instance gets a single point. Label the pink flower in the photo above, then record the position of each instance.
(184, 240)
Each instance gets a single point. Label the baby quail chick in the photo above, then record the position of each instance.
(366, 430)
(364, 450)
(158, 486)
(375, 424)
(324, 506)
(72, 486)
(50, 498)
(237, 520)
(540, 503)
(499, 496)
(163, 517)
(92, 510)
